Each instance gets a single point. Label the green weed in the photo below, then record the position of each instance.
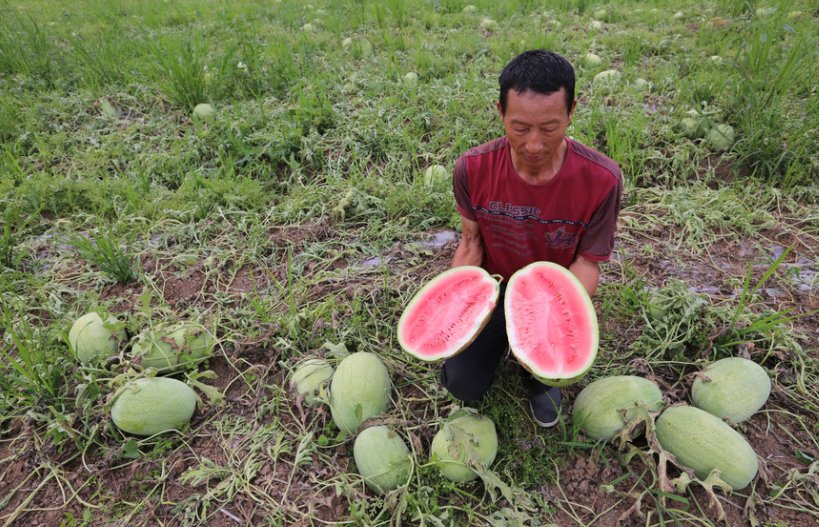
(700, 216)
(771, 63)
(180, 66)
(33, 366)
(104, 251)
(102, 59)
(26, 48)
(743, 326)
(677, 324)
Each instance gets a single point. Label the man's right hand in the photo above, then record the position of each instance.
(470, 249)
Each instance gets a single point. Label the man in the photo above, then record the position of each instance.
(532, 195)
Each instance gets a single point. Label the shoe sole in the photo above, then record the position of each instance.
(539, 422)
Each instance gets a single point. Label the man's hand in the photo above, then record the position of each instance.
(587, 271)
(470, 249)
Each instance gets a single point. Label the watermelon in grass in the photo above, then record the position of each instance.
(551, 323)
(446, 315)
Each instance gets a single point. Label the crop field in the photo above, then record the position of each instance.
(294, 221)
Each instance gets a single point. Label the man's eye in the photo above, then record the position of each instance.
(549, 130)
(521, 130)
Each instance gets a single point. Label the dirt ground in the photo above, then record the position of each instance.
(592, 489)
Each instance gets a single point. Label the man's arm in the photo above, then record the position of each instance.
(587, 271)
(470, 249)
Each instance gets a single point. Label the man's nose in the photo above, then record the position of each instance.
(533, 145)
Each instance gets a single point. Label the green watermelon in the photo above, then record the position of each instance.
(170, 348)
(466, 436)
(382, 458)
(603, 407)
(151, 405)
(360, 389)
(702, 442)
(91, 339)
(311, 378)
(732, 388)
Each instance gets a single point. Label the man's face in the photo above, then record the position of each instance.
(536, 125)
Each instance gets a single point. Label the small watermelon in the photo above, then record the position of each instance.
(360, 389)
(604, 407)
(466, 437)
(149, 406)
(551, 323)
(92, 339)
(203, 111)
(446, 315)
(170, 348)
(311, 378)
(382, 458)
(732, 388)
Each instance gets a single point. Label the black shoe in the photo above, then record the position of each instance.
(545, 406)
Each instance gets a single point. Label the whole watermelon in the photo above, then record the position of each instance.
(703, 443)
(732, 388)
(170, 348)
(465, 436)
(603, 407)
(311, 378)
(382, 458)
(151, 405)
(360, 389)
(91, 339)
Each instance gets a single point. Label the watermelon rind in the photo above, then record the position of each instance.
(579, 294)
(479, 322)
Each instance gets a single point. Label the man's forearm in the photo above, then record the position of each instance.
(468, 253)
(588, 272)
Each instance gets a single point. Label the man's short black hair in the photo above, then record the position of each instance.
(539, 71)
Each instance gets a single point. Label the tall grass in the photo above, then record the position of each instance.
(103, 59)
(777, 140)
(181, 71)
(26, 48)
(33, 363)
(105, 252)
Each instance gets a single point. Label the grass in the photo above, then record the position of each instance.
(105, 252)
(293, 221)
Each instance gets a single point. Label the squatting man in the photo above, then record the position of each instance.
(531, 195)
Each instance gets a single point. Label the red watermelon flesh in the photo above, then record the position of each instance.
(446, 315)
(551, 323)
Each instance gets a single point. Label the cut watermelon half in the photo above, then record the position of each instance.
(446, 315)
(551, 323)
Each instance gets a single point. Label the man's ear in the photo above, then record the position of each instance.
(571, 112)
(500, 108)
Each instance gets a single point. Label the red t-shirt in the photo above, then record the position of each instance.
(573, 213)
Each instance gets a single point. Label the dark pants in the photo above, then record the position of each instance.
(469, 374)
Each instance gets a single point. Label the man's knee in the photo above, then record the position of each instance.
(463, 384)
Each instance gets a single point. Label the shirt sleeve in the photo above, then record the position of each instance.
(460, 186)
(597, 242)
